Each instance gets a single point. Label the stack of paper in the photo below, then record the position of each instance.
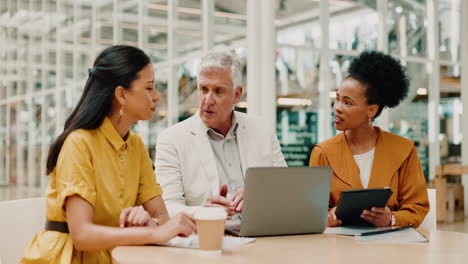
(192, 242)
(352, 230)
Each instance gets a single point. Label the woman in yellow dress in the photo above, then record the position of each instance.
(364, 156)
(102, 190)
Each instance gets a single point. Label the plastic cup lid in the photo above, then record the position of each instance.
(210, 213)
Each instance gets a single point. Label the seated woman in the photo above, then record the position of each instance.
(102, 190)
(364, 156)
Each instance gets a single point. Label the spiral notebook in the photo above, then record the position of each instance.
(401, 235)
(384, 234)
(389, 230)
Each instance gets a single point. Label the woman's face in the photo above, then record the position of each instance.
(351, 108)
(142, 97)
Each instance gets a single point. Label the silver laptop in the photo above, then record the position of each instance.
(284, 201)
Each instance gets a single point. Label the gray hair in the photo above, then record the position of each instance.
(223, 60)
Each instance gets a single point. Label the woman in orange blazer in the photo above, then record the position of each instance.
(364, 156)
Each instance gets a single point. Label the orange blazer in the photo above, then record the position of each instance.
(396, 165)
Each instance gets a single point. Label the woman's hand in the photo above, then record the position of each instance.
(181, 225)
(135, 216)
(332, 220)
(378, 216)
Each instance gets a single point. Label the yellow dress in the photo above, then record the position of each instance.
(108, 172)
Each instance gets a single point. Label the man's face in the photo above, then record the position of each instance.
(216, 97)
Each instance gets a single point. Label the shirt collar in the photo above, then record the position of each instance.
(215, 134)
(112, 135)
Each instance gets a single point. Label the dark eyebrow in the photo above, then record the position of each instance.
(349, 98)
(345, 97)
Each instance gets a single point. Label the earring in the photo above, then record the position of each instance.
(122, 111)
(370, 122)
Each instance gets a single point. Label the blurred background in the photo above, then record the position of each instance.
(294, 54)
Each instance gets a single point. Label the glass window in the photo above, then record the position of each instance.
(407, 26)
(3, 144)
(355, 29)
(449, 37)
(159, 121)
(450, 129)
(409, 119)
(188, 96)
(156, 31)
(297, 104)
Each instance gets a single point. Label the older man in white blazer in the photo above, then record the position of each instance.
(202, 161)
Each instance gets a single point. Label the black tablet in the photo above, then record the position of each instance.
(352, 202)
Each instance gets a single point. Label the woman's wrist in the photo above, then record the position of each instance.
(159, 235)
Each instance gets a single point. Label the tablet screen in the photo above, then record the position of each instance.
(352, 202)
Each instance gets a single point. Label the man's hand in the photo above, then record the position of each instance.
(238, 199)
(222, 201)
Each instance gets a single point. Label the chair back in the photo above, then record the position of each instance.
(21, 220)
(430, 222)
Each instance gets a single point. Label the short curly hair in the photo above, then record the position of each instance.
(384, 76)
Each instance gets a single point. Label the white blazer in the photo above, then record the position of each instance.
(185, 163)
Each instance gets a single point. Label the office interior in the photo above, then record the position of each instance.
(294, 54)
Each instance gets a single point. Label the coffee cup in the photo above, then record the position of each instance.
(210, 227)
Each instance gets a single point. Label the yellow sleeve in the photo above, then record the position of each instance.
(318, 158)
(412, 195)
(74, 170)
(148, 187)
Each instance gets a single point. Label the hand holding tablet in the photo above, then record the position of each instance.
(354, 202)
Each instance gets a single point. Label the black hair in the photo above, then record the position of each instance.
(115, 66)
(384, 76)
